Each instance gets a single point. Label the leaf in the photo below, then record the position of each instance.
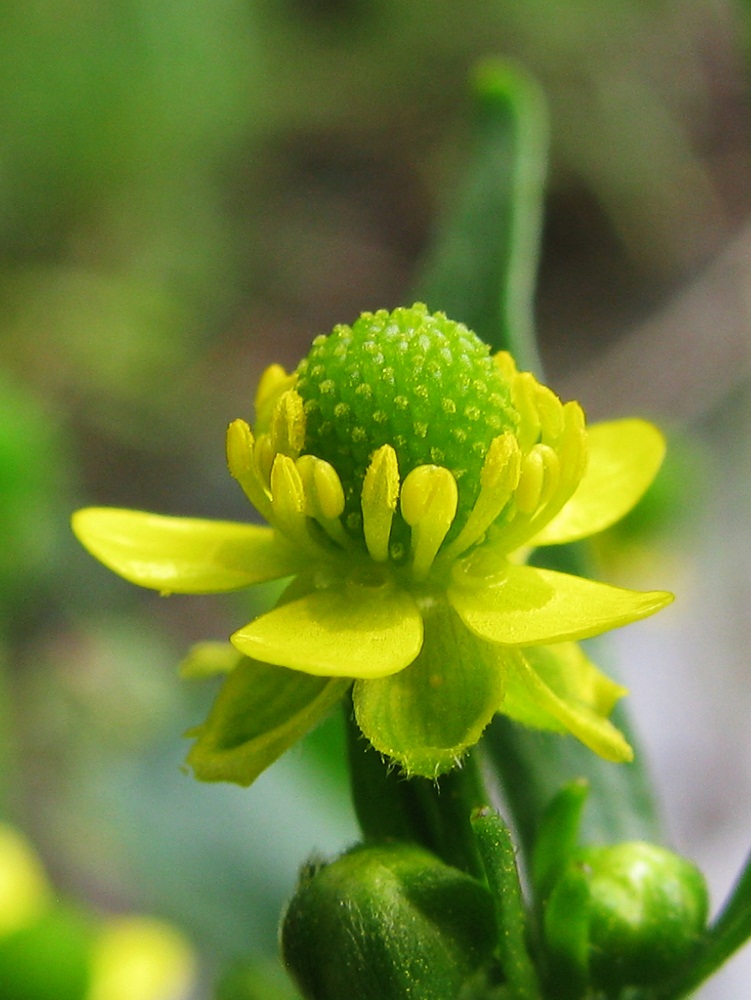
(483, 266)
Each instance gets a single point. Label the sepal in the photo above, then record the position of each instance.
(260, 711)
(427, 716)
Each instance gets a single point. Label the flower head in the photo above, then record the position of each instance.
(404, 473)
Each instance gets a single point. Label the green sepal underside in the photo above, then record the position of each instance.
(427, 716)
(558, 688)
(421, 383)
(259, 712)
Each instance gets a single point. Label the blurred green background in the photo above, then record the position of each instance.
(191, 190)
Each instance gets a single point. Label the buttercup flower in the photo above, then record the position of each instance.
(405, 474)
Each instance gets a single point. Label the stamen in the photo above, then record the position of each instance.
(428, 501)
(324, 496)
(551, 474)
(288, 503)
(505, 363)
(559, 471)
(264, 455)
(498, 480)
(242, 466)
(380, 492)
(529, 490)
(272, 384)
(288, 424)
(550, 411)
(572, 447)
(524, 389)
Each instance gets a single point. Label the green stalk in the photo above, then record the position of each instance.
(499, 860)
(435, 814)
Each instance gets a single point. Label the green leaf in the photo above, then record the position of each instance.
(349, 630)
(532, 765)
(624, 458)
(260, 711)
(558, 836)
(483, 266)
(182, 555)
(526, 606)
(426, 717)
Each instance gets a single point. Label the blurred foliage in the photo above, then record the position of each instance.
(189, 191)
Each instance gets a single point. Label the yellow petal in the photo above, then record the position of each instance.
(624, 458)
(366, 629)
(526, 606)
(182, 555)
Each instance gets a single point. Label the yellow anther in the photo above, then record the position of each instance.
(571, 450)
(324, 496)
(551, 473)
(288, 424)
(429, 499)
(272, 384)
(380, 492)
(288, 501)
(240, 443)
(550, 411)
(531, 480)
(505, 363)
(524, 391)
(572, 447)
(264, 454)
(242, 465)
(498, 480)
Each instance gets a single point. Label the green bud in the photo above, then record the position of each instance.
(626, 915)
(388, 922)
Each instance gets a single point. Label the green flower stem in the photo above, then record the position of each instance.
(499, 860)
(435, 814)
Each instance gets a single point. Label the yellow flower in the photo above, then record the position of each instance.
(405, 475)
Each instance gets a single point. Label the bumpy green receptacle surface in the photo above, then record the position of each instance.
(419, 382)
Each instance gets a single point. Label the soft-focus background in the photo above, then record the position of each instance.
(191, 190)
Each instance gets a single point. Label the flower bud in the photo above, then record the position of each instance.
(626, 915)
(387, 922)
